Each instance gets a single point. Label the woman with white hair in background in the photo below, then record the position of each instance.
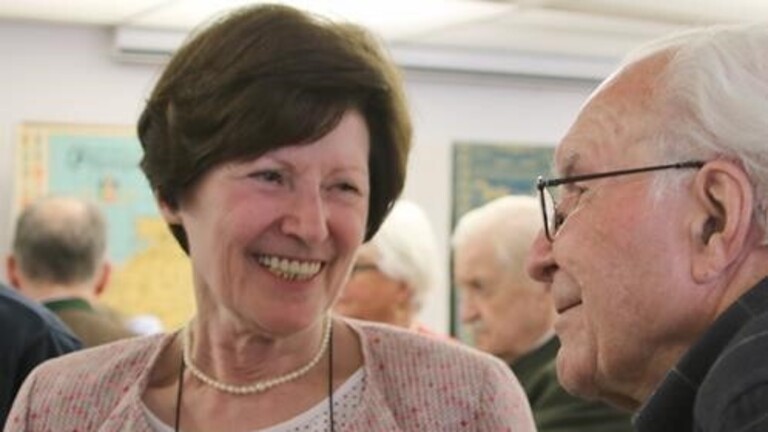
(394, 271)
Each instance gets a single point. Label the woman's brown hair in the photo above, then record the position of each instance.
(265, 77)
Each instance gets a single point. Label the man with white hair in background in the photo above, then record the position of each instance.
(655, 244)
(394, 271)
(511, 316)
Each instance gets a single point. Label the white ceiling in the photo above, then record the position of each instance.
(587, 36)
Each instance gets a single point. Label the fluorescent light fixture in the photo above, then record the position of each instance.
(398, 18)
(388, 18)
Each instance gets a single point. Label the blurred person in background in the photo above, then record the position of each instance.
(31, 335)
(59, 259)
(394, 271)
(512, 316)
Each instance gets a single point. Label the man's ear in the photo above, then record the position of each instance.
(102, 278)
(404, 295)
(724, 206)
(12, 270)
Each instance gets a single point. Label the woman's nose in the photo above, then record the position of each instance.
(307, 217)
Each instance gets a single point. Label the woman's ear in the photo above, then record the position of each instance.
(170, 212)
(724, 200)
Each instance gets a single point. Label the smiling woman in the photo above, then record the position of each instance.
(276, 143)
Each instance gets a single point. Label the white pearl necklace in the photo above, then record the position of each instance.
(259, 386)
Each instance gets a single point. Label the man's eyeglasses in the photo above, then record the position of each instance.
(553, 218)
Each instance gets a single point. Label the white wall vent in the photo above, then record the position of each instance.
(143, 45)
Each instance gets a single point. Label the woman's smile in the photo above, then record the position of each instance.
(290, 269)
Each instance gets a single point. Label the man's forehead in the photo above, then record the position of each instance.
(615, 117)
(589, 141)
(476, 245)
(477, 260)
(602, 144)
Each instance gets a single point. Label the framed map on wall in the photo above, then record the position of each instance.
(483, 172)
(151, 275)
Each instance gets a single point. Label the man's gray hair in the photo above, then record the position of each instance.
(60, 240)
(515, 220)
(715, 97)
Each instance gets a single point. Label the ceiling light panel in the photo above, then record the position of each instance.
(390, 18)
(682, 11)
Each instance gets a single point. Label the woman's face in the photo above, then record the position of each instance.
(272, 239)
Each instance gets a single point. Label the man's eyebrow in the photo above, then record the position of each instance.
(569, 164)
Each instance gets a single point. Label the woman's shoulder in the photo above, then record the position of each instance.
(86, 386)
(438, 383)
(392, 345)
(124, 358)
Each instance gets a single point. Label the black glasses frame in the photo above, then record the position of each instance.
(543, 184)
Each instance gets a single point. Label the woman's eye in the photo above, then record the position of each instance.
(269, 176)
(348, 187)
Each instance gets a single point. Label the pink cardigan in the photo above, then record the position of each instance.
(413, 383)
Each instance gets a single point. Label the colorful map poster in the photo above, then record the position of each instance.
(482, 173)
(150, 275)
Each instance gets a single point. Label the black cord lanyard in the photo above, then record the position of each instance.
(330, 378)
(178, 396)
(177, 420)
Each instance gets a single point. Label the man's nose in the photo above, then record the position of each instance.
(540, 263)
(467, 311)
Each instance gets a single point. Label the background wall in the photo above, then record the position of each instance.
(67, 74)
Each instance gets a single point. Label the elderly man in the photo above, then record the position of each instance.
(511, 316)
(654, 245)
(59, 260)
(393, 271)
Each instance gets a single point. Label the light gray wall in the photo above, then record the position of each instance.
(66, 74)
(60, 74)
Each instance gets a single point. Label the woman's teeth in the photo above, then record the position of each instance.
(290, 269)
